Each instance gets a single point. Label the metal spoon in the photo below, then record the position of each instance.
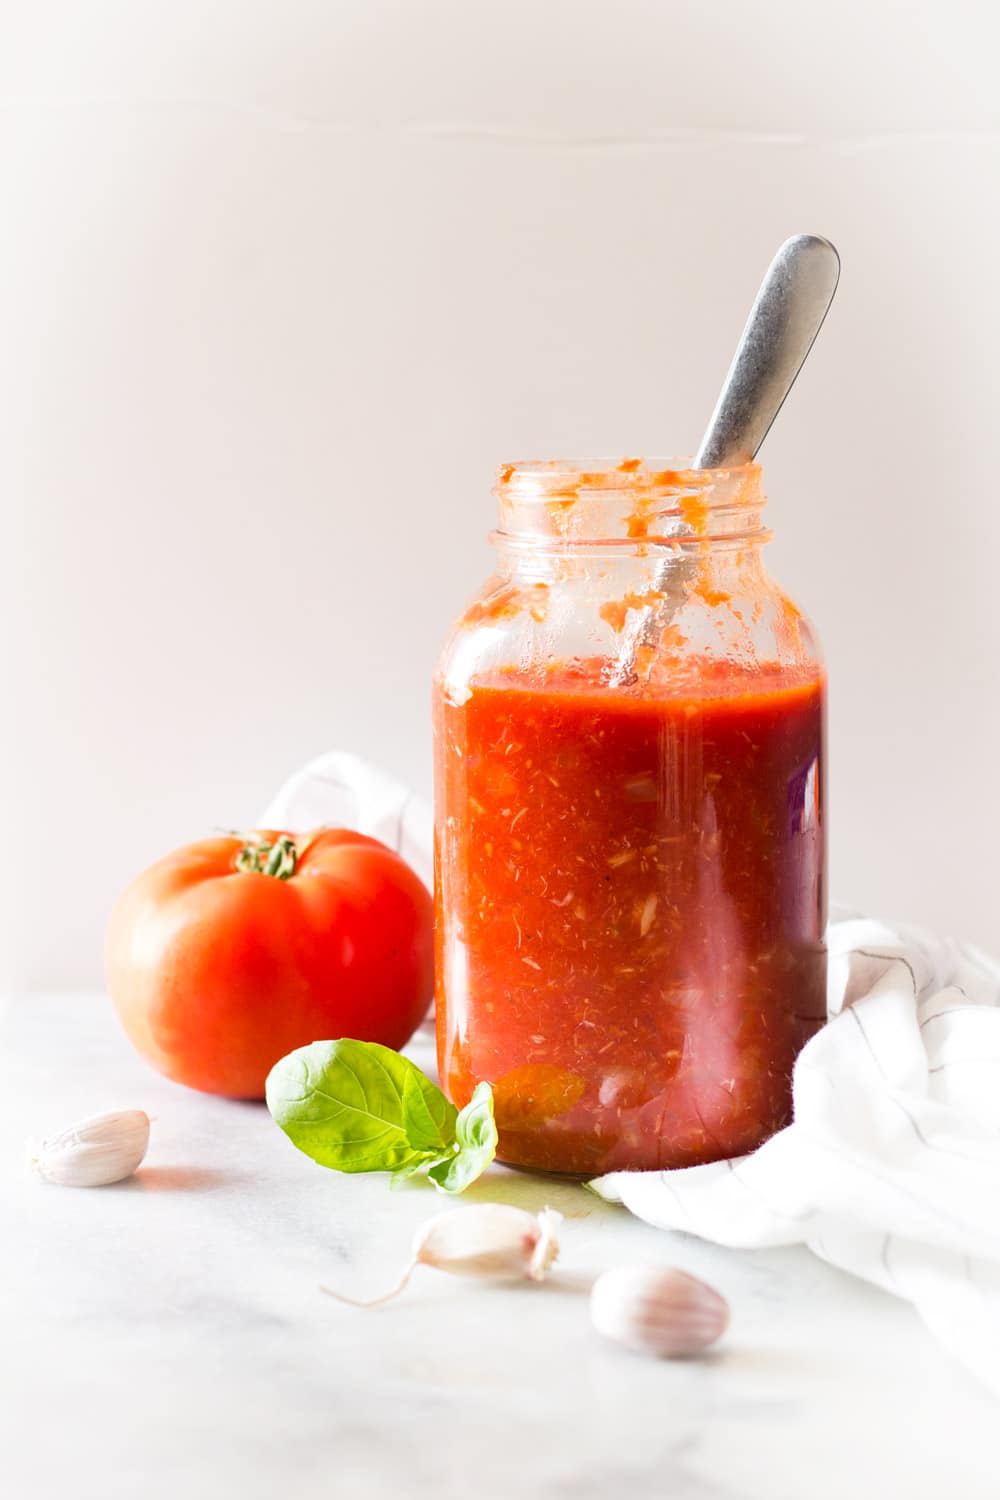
(792, 302)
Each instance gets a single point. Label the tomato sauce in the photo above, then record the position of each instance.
(631, 907)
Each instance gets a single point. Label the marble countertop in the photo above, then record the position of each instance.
(165, 1337)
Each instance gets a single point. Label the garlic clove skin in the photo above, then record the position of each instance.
(98, 1151)
(546, 1251)
(658, 1310)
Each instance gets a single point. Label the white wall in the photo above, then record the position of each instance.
(281, 282)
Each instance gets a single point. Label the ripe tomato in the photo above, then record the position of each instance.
(233, 951)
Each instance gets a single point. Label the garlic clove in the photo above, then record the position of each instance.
(479, 1239)
(489, 1239)
(100, 1150)
(658, 1310)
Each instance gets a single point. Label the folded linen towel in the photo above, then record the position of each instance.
(891, 1167)
(340, 790)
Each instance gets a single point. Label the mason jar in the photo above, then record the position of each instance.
(629, 822)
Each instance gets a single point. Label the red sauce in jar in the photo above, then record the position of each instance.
(631, 909)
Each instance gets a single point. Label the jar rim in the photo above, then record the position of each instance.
(627, 500)
(564, 478)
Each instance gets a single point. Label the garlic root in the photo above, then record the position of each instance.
(374, 1301)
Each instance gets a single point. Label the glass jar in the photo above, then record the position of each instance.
(630, 842)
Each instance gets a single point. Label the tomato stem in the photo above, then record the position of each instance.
(258, 857)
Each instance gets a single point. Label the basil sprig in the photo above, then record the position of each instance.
(360, 1107)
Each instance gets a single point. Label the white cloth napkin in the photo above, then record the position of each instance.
(891, 1167)
(340, 790)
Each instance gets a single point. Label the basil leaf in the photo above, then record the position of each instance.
(475, 1127)
(476, 1140)
(359, 1107)
(412, 1168)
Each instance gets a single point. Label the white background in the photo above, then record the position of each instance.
(280, 283)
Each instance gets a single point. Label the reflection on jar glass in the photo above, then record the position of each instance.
(629, 782)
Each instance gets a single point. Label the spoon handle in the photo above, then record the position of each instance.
(793, 300)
